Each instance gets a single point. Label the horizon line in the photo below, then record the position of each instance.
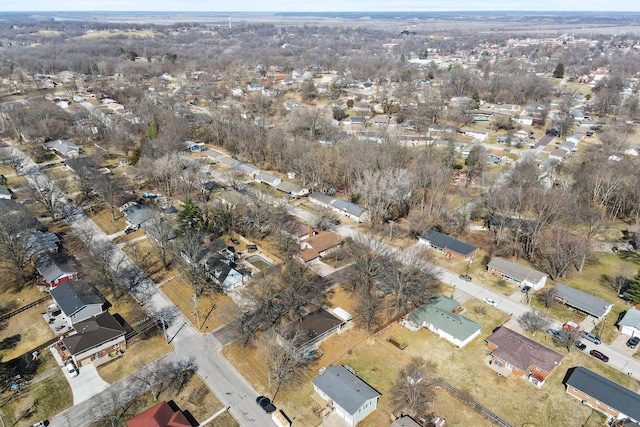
(324, 11)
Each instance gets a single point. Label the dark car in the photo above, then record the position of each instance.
(582, 346)
(633, 342)
(615, 249)
(265, 403)
(235, 241)
(525, 289)
(598, 355)
(465, 277)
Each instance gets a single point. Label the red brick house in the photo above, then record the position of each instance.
(526, 358)
(603, 395)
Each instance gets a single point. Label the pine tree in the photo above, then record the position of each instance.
(558, 73)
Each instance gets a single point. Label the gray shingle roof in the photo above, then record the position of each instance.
(93, 332)
(582, 301)
(73, 295)
(606, 391)
(37, 243)
(631, 318)
(516, 271)
(350, 208)
(443, 241)
(53, 266)
(344, 388)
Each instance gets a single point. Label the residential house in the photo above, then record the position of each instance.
(96, 340)
(160, 415)
(352, 398)
(350, 210)
(559, 154)
(568, 146)
(307, 333)
(523, 120)
(194, 147)
(526, 358)
(630, 323)
(517, 273)
(384, 121)
(603, 395)
(354, 122)
(297, 229)
(582, 301)
(248, 170)
(55, 269)
(137, 214)
(448, 245)
(36, 243)
(5, 193)
(478, 134)
(441, 316)
(507, 107)
(318, 245)
(576, 138)
(213, 155)
(223, 271)
(237, 91)
(63, 147)
(633, 151)
(293, 189)
(269, 179)
(77, 301)
(235, 199)
(229, 162)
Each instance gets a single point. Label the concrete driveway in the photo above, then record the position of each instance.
(86, 384)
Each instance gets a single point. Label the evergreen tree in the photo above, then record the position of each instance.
(558, 73)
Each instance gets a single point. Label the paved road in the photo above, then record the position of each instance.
(203, 350)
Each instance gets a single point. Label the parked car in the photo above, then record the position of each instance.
(465, 277)
(490, 302)
(582, 346)
(525, 289)
(130, 229)
(265, 403)
(71, 368)
(615, 249)
(553, 333)
(593, 338)
(633, 342)
(41, 424)
(572, 326)
(235, 241)
(598, 355)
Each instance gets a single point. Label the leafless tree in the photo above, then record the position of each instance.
(324, 219)
(559, 249)
(161, 234)
(381, 189)
(13, 226)
(282, 357)
(567, 338)
(48, 195)
(548, 298)
(413, 391)
(190, 252)
(534, 321)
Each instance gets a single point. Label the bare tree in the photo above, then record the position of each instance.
(190, 252)
(48, 195)
(413, 391)
(161, 375)
(534, 321)
(324, 219)
(161, 234)
(12, 240)
(283, 359)
(567, 338)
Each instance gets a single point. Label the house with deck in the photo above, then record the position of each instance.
(522, 356)
(77, 301)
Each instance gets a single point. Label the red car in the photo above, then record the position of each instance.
(598, 355)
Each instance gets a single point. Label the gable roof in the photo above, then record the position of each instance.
(73, 295)
(582, 301)
(516, 271)
(312, 326)
(92, 332)
(291, 187)
(606, 391)
(521, 352)
(37, 242)
(324, 240)
(631, 318)
(438, 311)
(348, 207)
(53, 266)
(160, 415)
(62, 146)
(344, 388)
(443, 241)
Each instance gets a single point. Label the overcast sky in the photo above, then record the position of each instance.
(319, 6)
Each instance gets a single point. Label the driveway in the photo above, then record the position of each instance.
(87, 384)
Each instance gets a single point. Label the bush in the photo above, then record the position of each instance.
(10, 342)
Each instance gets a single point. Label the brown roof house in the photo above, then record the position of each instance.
(526, 358)
(319, 245)
(160, 415)
(96, 340)
(307, 333)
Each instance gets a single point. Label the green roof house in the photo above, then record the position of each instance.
(440, 316)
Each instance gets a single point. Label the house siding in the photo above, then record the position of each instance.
(101, 353)
(85, 312)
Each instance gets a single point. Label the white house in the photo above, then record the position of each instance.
(269, 179)
(519, 274)
(352, 398)
(77, 301)
(630, 323)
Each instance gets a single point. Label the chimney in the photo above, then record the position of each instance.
(310, 231)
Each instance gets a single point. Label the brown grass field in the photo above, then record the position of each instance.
(101, 215)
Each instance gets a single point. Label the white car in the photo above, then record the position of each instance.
(490, 301)
(71, 368)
